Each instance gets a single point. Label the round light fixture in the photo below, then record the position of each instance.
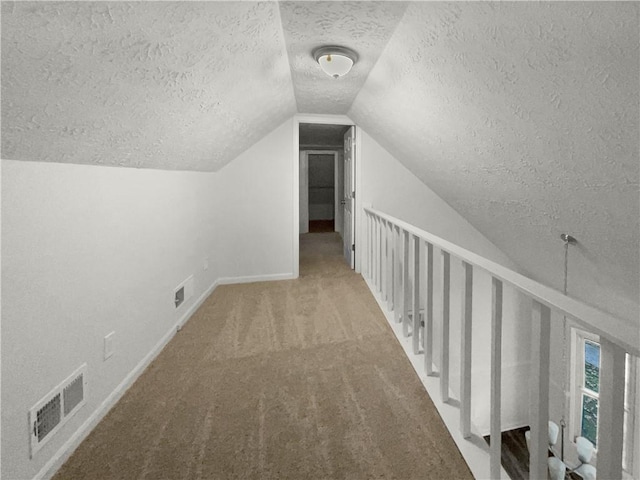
(335, 61)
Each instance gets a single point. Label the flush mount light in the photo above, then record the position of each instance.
(335, 61)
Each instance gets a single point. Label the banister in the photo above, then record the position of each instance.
(608, 326)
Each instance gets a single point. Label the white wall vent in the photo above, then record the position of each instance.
(52, 411)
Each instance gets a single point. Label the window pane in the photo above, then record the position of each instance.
(591, 365)
(590, 418)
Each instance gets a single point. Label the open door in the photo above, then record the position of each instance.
(348, 201)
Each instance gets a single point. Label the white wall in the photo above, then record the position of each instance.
(389, 187)
(90, 250)
(254, 220)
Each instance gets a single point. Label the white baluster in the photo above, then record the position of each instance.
(416, 295)
(397, 303)
(369, 238)
(539, 394)
(374, 259)
(372, 248)
(390, 248)
(380, 258)
(465, 351)
(428, 313)
(383, 260)
(496, 377)
(611, 410)
(446, 304)
(406, 292)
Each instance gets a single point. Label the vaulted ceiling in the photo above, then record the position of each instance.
(523, 116)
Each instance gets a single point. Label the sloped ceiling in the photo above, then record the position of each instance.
(173, 85)
(522, 115)
(170, 85)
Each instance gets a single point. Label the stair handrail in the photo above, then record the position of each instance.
(606, 325)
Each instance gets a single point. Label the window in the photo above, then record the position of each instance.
(586, 393)
(589, 388)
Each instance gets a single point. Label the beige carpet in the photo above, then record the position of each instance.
(298, 379)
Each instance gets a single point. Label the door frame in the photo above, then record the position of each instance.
(295, 160)
(305, 154)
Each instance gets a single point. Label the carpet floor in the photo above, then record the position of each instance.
(299, 379)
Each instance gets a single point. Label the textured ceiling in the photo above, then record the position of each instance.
(524, 117)
(171, 85)
(365, 27)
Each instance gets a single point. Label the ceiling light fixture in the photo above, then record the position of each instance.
(335, 61)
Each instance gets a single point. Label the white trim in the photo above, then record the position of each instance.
(578, 338)
(65, 451)
(636, 429)
(321, 119)
(295, 234)
(255, 278)
(337, 194)
(308, 152)
(630, 420)
(359, 212)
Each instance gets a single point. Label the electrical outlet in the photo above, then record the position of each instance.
(108, 345)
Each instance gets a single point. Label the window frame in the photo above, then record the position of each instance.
(578, 389)
(630, 404)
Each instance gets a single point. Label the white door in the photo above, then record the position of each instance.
(348, 235)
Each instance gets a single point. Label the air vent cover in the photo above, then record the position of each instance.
(73, 394)
(53, 410)
(47, 418)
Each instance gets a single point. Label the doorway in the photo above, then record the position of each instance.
(325, 201)
(321, 174)
(322, 189)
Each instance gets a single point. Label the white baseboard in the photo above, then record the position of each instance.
(65, 451)
(255, 278)
(61, 456)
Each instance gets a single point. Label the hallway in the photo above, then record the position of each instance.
(292, 379)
